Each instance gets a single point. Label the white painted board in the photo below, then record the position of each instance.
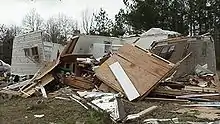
(126, 84)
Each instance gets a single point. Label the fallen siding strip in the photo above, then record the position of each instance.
(124, 81)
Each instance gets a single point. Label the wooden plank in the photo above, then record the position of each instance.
(70, 46)
(31, 80)
(43, 91)
(205, 104)
(162, 91)
(17, 85)
(201, 89)
(197, 95)
(78, 82)
(43, 71)
(134, 116)
(124, 81)
(44, 81)
(166, 99)
(46, 69)
(217, 81)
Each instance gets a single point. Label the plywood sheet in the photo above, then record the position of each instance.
(145, 60)
(143, 69)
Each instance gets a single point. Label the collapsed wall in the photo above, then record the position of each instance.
(202, 48)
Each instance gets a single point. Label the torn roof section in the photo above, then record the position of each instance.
(154, 35)
(158, 31)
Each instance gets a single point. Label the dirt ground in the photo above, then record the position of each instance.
(21, 111)
(165, 110)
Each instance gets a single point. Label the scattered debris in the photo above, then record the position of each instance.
(204, 104)
(62, 98)
(43, 91)
(79, 102)
(106, 101)
(197, 95)
(157, 121)
(203, 71)
(134, 116)
(39, 116)
(166, 99)
(209, 113)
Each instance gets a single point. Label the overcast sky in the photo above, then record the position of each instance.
(12, 11)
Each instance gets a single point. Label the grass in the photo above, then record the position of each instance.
(98, 118)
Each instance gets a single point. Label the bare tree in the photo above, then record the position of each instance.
(87, 20)
(15, 30)
(32, 21)
(9, 31)
(67, 25)
(2, 32)
(53, 30)
(60, 27)
(7, 34)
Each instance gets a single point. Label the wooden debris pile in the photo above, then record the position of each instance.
(132, 72)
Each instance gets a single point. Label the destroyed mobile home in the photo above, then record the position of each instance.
(181, 68)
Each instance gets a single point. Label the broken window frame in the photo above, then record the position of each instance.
(167, 51)
(27, 52)
(32, 53)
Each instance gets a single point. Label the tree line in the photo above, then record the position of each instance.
(189, 17)
(60, 26)
(184, 16)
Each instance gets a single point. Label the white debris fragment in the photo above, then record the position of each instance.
(39, 116)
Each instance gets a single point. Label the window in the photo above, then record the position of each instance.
(34, 51)
(167, 51)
